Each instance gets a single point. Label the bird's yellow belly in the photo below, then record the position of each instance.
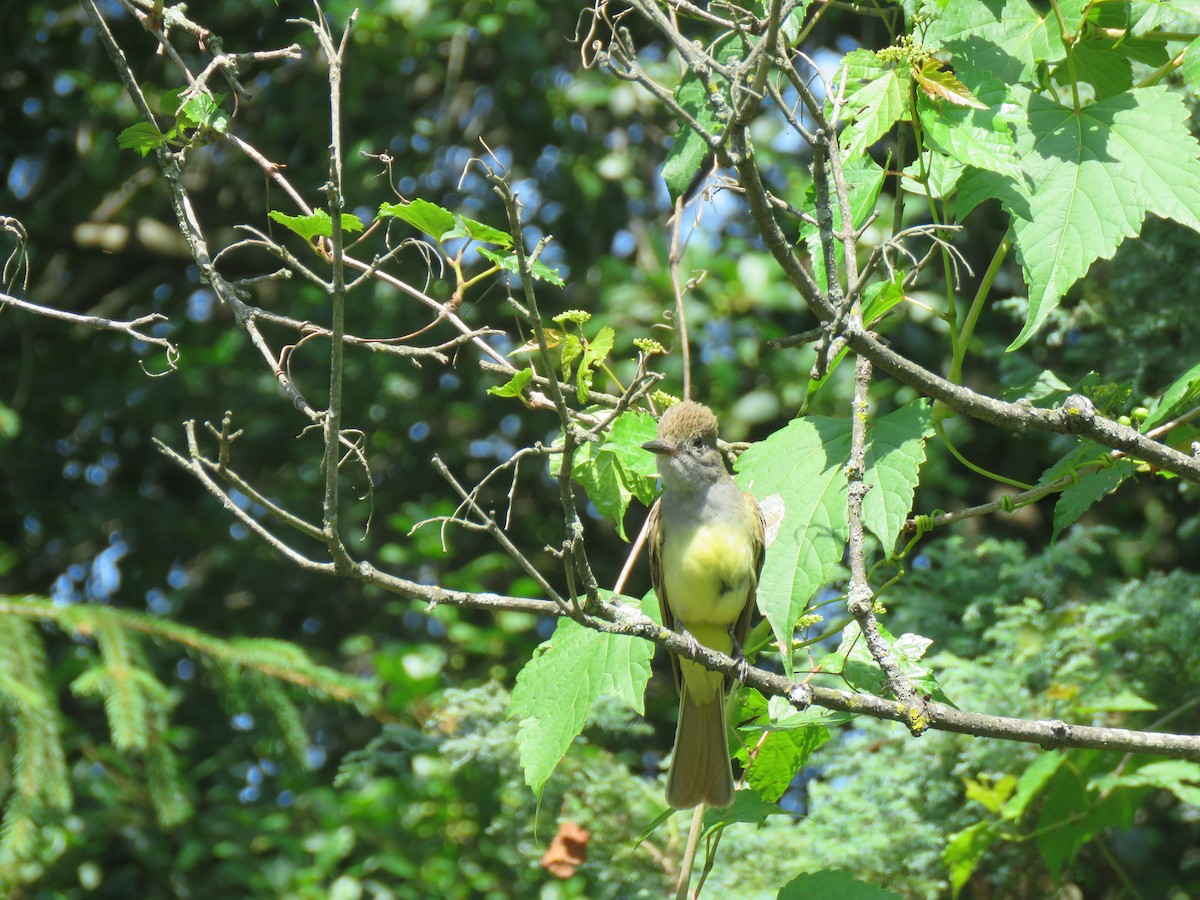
(709, 572)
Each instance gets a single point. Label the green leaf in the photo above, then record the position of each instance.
(1091, 178)
(617, 469)
(201, 111)
(895, 453)
(477, 231)
(1072, 815)
(1122, 701)
(1031, 782)
(625, 438)
(317, 225)
(555, 690)
(964, 850)
(142, 137)
(979, 136)
(688, 152)
(1180, 777)
(1183, 389)
(803, 463)
(594, 353)
(1044, 389)
(938, 83)
(508, 262)
(1191, 63)
(572, 349)
(428, 217)
(831, 884)
(515, 386)
(879, 298)
(602, 344)
(1005, 39)
(778, 756)
(748, 808)
(1075, 500)
(875, 99)
(991, 794)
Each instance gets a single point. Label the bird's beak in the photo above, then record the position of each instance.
(658, 446)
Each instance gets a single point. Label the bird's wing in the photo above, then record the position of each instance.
(742, 627)
(656, 577)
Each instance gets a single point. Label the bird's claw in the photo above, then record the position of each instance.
(743, 667)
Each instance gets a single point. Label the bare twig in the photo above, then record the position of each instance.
(133, 327)
(573, 545)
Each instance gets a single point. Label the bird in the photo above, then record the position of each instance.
(707, 540)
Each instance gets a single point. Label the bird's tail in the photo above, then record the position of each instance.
(700, 771)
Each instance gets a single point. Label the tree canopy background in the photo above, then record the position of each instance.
(385, 764)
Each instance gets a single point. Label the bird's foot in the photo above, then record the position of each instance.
(743, 667)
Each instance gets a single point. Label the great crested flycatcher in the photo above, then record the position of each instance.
(706, 552)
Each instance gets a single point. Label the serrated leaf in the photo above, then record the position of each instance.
(142, 137)
(555, 690)
(939, 83)
(804, 464)
(602, 344)
(572, 350)
(1091, 177)
(934, 173)
(625, 438)
(1006, 39)
(688, 152)
(875, 99)
(1074, 501)
(778, 756)
(427, 217)
(515, 386)
(895, 453)
(319, 224)
(977, 136)
(508, 262)
(477, 231)
(201, 110)
(617, 469)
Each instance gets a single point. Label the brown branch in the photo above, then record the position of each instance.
(133, 327)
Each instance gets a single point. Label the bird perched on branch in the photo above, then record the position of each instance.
(706, 552)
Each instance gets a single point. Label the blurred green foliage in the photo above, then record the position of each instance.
(430, 801)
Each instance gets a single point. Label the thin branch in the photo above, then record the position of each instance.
(133, 327)
(489, 525)
(573, 544)
(860, 599)
(673, 260)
